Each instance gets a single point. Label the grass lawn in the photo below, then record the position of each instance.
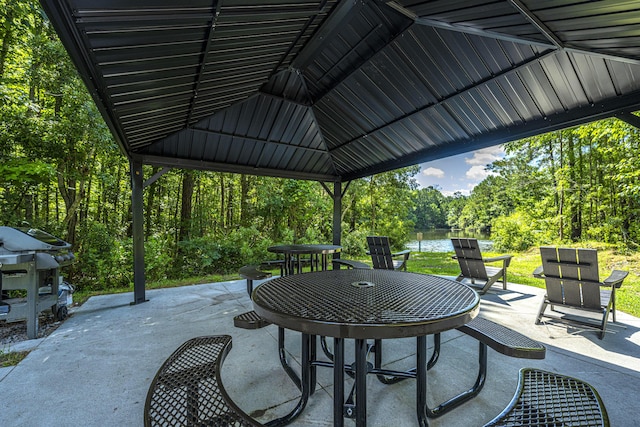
(520, 271)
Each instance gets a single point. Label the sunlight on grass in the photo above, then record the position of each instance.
(442, 264)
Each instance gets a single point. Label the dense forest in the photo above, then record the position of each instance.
(61, 171)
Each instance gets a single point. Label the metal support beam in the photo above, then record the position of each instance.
(629, 118)
(337, 212)
(155, 177)
(138, 231)
(337, 194)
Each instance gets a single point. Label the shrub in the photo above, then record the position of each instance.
(354, 243)
(98, 265)
(206, 255)
(513, 232)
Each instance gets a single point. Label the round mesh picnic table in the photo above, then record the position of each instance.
(366, 303)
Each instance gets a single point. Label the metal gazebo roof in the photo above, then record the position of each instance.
(336, 90)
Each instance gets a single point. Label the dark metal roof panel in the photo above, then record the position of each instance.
(340, 89)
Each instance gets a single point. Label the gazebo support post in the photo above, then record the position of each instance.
(337, 212)
(138, 231)
(337, 194)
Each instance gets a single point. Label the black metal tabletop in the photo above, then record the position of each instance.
(305, 249)
(366, 304)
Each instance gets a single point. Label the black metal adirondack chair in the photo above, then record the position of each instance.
(572, 280)
(383, 258)
(472, 264)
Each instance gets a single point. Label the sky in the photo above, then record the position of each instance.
(458, 173)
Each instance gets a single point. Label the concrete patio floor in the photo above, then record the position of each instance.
(95, 369)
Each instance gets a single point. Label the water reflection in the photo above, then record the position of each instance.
(440, 240)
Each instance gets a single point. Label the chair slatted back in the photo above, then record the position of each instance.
(380, 250)
(469, 258)
(571, 276)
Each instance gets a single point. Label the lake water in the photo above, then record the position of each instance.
(440, 240)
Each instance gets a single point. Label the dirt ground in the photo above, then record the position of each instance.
(11, 333)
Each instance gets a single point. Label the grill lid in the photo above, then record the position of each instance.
(29, 239)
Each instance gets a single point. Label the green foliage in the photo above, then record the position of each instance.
(103, 261)
(12, 358)
(429, 209)
(514, 232)
(26, 173)
(205, 255)
(158, 259)
(354, 243)
(251, 243)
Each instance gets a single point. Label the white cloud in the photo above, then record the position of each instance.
(438, 173)
(448, 174)
(478, 173)
(485, 156)
(464, 192)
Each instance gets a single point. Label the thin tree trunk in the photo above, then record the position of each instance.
(574, 195)
(7, 36)
(222, 203)
(151, 199)
(244, 200)
(188, 184)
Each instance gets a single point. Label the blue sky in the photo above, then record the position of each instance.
(458, 173)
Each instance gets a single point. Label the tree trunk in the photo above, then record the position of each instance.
(222, 203)
(151, 198)
(245, 220)
(575, 191)
(230, 202)
(188, 184)
(7, 36)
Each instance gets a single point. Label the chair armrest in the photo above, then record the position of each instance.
(615, 278)
(538, 273)
(506, 259)
(404, 254)
(350, 264)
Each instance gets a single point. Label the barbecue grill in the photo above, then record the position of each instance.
(30, 259)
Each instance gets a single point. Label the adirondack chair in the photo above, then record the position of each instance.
(383, 258)
(572, 280)
(472, 264)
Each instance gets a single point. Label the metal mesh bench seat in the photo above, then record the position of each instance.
(251, 273)
(500, 338)
(274, 263)
(249, 320)
(548, 399)
(503, 340)
(187, 390)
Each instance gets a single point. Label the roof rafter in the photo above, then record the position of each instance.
(533, 20)
(154, 160)
(257, 140)
(554, 42)
(546, 31)
(203, 63)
